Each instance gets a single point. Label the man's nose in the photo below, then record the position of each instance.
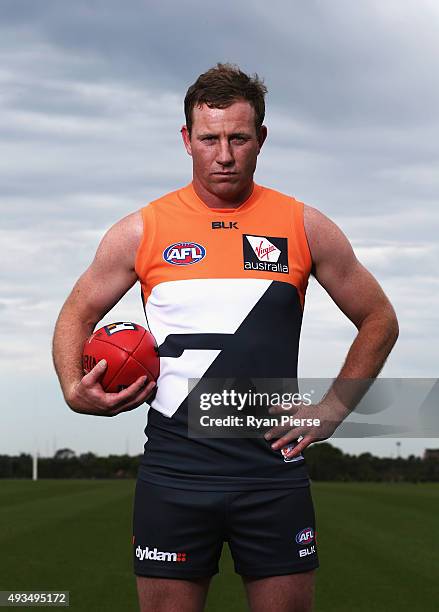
(225, 155)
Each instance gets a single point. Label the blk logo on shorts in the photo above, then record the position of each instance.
(304, 552)
(265, 253)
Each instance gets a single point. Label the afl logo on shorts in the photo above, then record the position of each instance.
(306, 536)
(184, 253)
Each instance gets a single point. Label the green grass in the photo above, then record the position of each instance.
(377, 544)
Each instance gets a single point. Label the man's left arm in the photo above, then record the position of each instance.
(360, 297)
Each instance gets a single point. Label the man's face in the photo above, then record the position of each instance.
(224, 147)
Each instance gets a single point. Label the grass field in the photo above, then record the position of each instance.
(378, 546)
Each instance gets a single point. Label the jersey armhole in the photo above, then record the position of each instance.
(146, 244)
(303, 237)
(302, 242)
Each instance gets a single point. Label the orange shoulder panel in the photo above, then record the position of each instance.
(180, 217)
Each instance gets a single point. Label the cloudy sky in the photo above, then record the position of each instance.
(91, 103)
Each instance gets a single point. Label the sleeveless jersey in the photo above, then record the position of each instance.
(223, 292)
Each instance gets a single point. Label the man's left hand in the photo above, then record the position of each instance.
(317, 422)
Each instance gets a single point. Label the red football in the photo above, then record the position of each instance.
(129, 350)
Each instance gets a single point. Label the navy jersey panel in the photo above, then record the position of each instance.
(262, 347)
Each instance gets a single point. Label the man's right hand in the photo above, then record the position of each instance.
(88, 396)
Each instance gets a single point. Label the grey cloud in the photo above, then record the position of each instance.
(352, 103)
(382, 78)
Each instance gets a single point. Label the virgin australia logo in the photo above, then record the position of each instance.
(265, 253)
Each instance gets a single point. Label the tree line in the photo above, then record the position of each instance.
(325, 462)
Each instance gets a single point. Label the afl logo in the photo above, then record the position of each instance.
(306, 536)
(184, 253)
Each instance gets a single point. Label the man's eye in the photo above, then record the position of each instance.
(239, 138)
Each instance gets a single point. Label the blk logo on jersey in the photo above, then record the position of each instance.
(184, 253)
(224, 224)
(265, 253)
(113, 328)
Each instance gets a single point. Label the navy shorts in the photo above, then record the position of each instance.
(179, 533)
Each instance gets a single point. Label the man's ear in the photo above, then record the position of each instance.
(186, 139)
(262, 136)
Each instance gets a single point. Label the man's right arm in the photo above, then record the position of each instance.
(102, 285)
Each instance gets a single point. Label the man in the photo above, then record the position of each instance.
(223, 264)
